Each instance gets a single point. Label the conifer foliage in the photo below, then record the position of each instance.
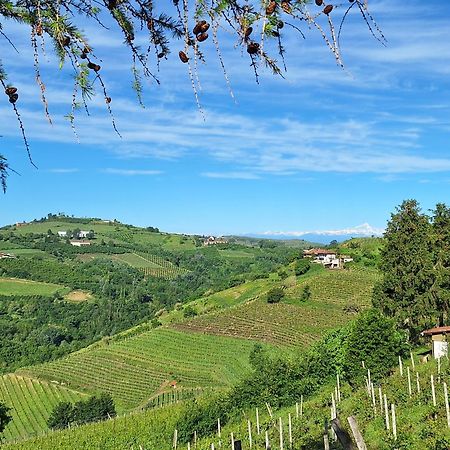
(416, 268)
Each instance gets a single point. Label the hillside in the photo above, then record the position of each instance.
(193, 313)
(419, 424)
(210, 351)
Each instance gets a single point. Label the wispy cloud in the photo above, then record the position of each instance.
(132, 172)
(63, 170)
(232, 175)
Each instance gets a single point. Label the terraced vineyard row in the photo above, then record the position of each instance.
(279, 324)
(340, 287)
(32, 402)
(134, 369)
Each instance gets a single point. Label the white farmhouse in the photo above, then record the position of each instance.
(62, 234)
(439, 339)
(328, 258)
(83, 234)
(78, 243)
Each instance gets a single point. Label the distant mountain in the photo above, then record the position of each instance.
(322, 236)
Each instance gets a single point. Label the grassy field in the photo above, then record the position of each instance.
(136, 368)
(14, 286)
(31, 401)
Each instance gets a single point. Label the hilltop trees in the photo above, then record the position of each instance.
(415, 266)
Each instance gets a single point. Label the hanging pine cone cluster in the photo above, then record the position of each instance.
(200, 30)
(252, 48)
(11, 92)
(94, 67)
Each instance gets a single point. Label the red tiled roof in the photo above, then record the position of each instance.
(436, 330)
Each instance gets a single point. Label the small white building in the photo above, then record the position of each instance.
(328, 258)
(83, 234)
(7, 256)
(62, 233)
(439, 340)
(78, 243)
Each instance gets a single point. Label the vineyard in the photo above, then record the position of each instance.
(279, 324)
(292, 323)
(421, 419)
(349, 287)
(136, 368)
(31, 401)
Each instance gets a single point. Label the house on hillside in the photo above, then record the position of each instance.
(78, 243)
(20, 224)
(211, 240)
(328, 258)
(84, 234)
(439, 339)
(62, 234)
(7, 256)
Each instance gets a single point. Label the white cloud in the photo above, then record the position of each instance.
(131, 172)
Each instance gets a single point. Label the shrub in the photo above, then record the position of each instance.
(275, 295)
(189, 311)
(306, 293)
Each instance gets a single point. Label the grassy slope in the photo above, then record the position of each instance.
(419, 424)
(15, 286)
(31, 401)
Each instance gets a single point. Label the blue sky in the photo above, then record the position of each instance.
(323, 148)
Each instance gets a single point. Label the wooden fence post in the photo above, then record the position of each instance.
(409, 381)
(356, 433)
(433, 391)
(412, 361)
(418, 382)
(249, 426)
(386, 412)
(301, 405)
(175, 439)
(267, 441)
(290, 430)
(400, 363)
(380, 395)
(232, 441)
(296, 410)
(446, 404)
(257, 422)
(281, 434)
(394, 422)
(338, 387)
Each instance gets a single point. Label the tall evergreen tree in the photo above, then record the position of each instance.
(441, 259)
(407, 270)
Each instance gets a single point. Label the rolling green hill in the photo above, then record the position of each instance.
(32, 402)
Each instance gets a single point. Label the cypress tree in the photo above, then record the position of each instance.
(407, 270)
